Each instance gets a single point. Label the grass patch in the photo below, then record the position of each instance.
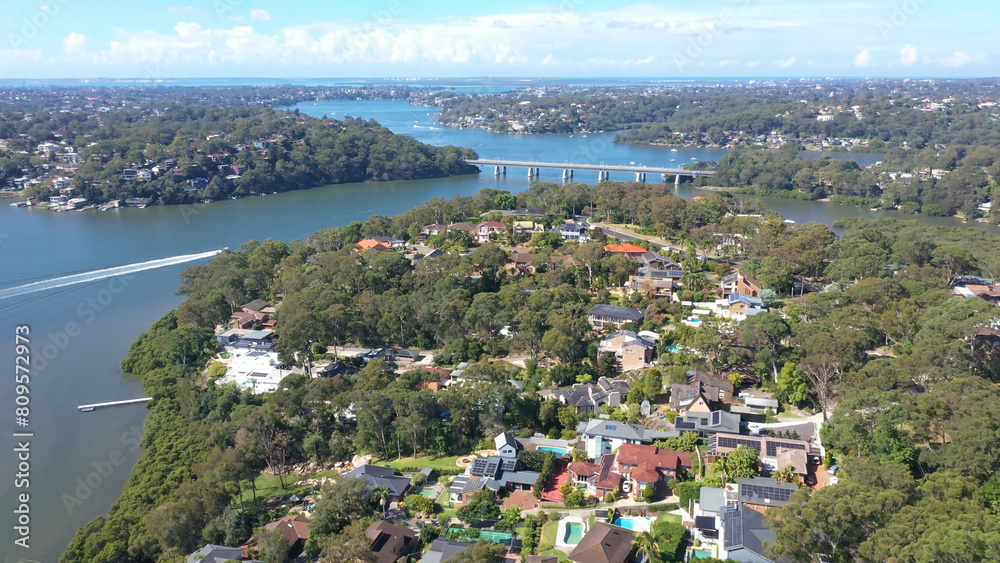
(269, 486)
(675, 518)
(559, 554)
(548, 539)
(788, 414)
(450, 462)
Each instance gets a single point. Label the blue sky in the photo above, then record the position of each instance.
(411, 38)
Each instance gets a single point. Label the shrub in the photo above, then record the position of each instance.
(649, 493)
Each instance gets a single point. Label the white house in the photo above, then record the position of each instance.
(606, 436)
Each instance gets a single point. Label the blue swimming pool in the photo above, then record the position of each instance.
(553, 449)
(701, 554)
(631, 523)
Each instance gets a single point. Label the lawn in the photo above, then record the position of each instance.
(269, 486)
(426, 461)
(788, 414)
(675, 518)
(562, 556)
(548, 539)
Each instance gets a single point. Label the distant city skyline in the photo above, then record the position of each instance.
(566, 38)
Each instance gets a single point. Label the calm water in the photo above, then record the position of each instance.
(108, 315)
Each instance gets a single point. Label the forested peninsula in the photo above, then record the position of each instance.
(863, 328)
(185, 153)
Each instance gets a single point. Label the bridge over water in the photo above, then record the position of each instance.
(500, 167)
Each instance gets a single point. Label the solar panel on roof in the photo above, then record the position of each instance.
(773, 445)
(734, 528)
(684, 425)
(716, 418)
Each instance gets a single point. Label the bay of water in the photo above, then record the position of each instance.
(69, 448)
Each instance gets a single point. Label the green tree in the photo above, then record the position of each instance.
(793, 385)
(509, 519)
(343, 502)
(271, 545)
(481, 507)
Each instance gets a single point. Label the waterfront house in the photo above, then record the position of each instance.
(393, 242)
(528, 227)
(604, 316)
(434, 230)
(372, 244)
(572, 231)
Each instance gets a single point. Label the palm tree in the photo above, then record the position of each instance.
(381, 494)
(646, 543)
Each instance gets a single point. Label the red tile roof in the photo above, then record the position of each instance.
(626, 248)
(649, 460)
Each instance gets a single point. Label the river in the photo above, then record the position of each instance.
(80, 333)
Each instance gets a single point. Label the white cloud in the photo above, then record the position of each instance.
(909, 55)
(961, 58)
(260, 15)
(10, 58)
(753, 64)
(728, 62)
(785, 63)
(863, 59)
(75, 44)
(549, 60)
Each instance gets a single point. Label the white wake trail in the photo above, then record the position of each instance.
(96, 275)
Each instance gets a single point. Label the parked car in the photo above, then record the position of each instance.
(833, 469)
(810, 479)
(815, 460)
(834, 480)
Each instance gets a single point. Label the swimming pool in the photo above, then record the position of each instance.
(427, 492)
(637, 524)
(701, 554)
(553, 449)
(574, 533)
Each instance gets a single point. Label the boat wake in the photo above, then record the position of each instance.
(97, 275)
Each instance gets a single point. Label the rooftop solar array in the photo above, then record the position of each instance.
(682, 424)
(716, 418)
(766, 494)
(773, 445)
(733, 443)
(733, 525)
(484, 466)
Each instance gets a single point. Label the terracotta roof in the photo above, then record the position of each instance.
(650, 459)
(626, 247)
(604, 543)
(371, 244)
(584, 468)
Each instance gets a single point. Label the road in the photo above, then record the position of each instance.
(667, 247)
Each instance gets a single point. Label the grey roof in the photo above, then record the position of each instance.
(716, 421)
(747, 529)
(444, 550)
(712, 499)
(379, 475)
(752, 301)
(215, 554)
(651, 256)
(764, 491)
(639, 340)
(467, 484)
(616, 312)
(518, 477)
(506, 439)
(620, 430)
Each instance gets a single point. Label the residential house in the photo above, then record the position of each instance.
(528, 227)
(628, 249)
(144, 175)
(372, 244)
(602, 316)
(524, 212)
(218, 554)
(379, 475)
(599, 478)
(393, 242)
(444, 550)
(522, 261)
(631, 351)
(390, 542)
(246, 338)
(486, 229)
(641, 465)
(574, 231)
(691, 398)
(462, 226)
(507, 445)
(988, 292)
(600, 437)
(711, 504)
(590, 397)
(757, 401)
(493, 473)
(761, 493)
(657, 261)
(604, 543)
(434, 230)
(706, 424)
(740, 282)
(258, 371)
(719, 388)
(742, 306)
(294, 528)
(745, 534)
(768, 448)
(653, 282)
